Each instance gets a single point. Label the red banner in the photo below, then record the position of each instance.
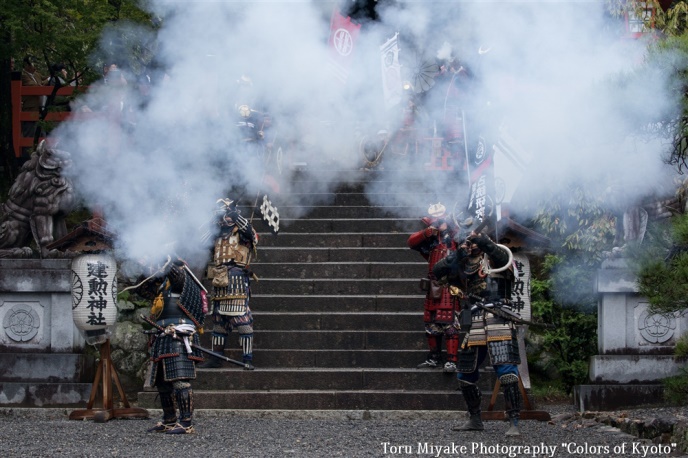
(342, 40)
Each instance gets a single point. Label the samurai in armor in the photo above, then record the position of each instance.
(231, 278)
(179, 310)
(466, 273)
(434, 243)
(251, 119)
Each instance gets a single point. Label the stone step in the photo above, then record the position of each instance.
(345, 379)
(350, 212)
(356, 179)
(308, 321)
(340, 269)
(353, 179)
(341, 303)
(333, 240)
(336, 254)
(326, 400)
(355, 199)
(293, 358)
(328, 225)
(340, 340)
(336, 286)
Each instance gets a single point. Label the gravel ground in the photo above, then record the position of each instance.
(49, 433)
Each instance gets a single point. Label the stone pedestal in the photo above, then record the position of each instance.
(41, 350)
(36, 306)
(635, 347)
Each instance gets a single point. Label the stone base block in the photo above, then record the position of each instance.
(44, 394)
(616, 397)
(634, 368)
(46, 367)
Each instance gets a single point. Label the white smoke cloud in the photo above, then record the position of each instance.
(156, 179)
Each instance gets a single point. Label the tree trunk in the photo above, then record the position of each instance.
(7, 159)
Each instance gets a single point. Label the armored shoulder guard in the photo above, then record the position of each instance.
(191, 301)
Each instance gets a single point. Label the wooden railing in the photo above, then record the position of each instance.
(18, 116)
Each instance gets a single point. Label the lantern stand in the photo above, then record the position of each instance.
(107, 373)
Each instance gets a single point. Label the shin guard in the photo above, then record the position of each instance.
(512, 396)
(473, 398)
(184, 396)
(472, 395)
(218, 342)
(453, 348)
(247, 346)
(169, 414)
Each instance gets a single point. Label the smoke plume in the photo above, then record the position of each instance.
(175, 150)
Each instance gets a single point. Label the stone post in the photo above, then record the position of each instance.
(42, 361)
(635, 347)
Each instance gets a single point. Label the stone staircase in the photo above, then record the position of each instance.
(338, 311)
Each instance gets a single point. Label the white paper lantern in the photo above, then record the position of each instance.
(94, 293)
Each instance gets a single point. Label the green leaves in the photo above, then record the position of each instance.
(662, 268)
(578, 222)
(570, 344)
(66, 31)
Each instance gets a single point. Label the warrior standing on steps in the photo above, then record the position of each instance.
(178, 311)
(433, 243)
(231, 279)
(469, 278)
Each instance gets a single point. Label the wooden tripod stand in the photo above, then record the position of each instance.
(107, 373)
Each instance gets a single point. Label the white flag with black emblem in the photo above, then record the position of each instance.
(270, 214)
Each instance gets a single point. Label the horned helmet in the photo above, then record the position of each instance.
(226, 212)
(437, 210)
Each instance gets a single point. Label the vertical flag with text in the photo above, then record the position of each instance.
(480, 163)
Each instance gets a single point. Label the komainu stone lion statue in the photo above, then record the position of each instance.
(37, 204)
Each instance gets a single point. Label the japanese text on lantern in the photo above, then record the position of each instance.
(518, 291)
(97, 290)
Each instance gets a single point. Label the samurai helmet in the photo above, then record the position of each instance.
(226, 207)
(437, 210)
(225, 204)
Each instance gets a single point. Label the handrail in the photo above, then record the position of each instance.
(18, 90)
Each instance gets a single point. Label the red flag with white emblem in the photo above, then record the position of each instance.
(342, 40)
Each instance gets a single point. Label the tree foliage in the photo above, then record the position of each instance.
(668, 56)
(65, 31)
(662, 267)
(662, 262)
(582, 227)
(574, 338)
(57, 31)
(577, 221)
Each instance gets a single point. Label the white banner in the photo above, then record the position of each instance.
(391, 71)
